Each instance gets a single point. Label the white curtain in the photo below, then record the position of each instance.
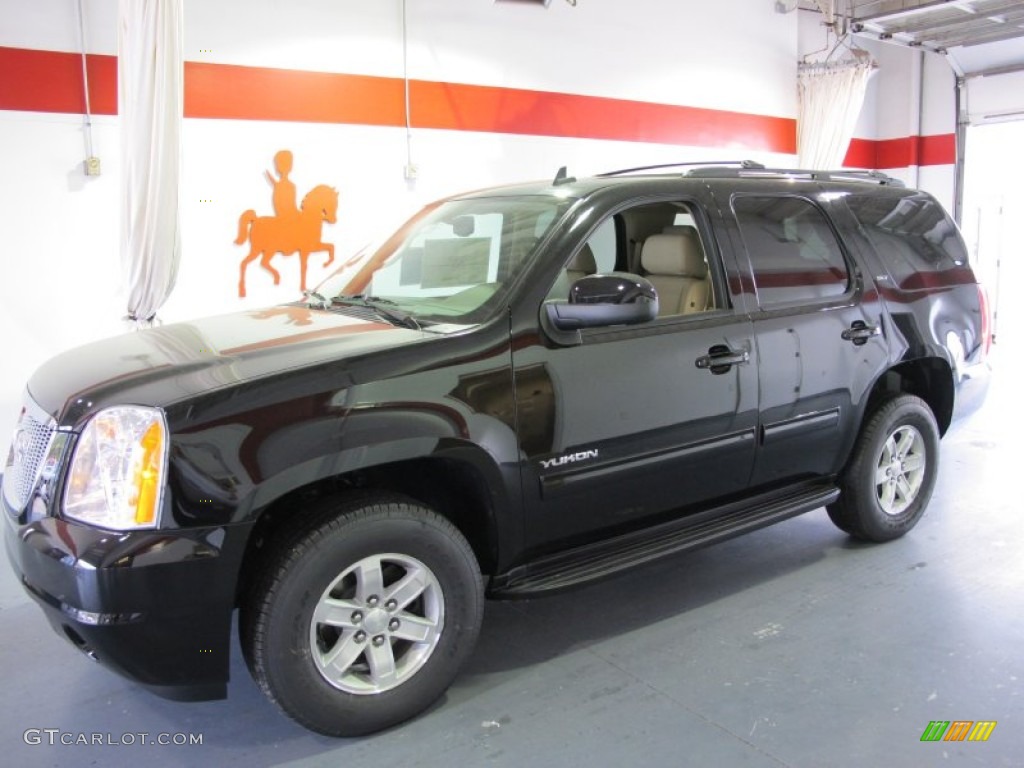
(150, 97)
(831, 97)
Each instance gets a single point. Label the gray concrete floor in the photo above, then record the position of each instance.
(792, 646)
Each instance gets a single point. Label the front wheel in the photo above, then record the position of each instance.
(891, 475)
(362, 618)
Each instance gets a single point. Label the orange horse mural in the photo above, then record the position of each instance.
(289, 231)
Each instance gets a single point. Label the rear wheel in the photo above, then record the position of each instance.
(890, 478)
(362, 617)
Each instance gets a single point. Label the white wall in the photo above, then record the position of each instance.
(59, 264)
(60, 274)
(53, 25)
(60, 281)
(915, 97)
(59, 269)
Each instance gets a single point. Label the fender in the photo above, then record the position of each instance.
(230, 471)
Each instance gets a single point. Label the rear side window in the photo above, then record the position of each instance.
(911, 234)
(793, 251)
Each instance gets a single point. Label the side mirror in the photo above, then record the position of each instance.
(596, 301)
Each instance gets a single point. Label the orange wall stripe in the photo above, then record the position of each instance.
(227, 91)
(51, 81)
(258, 93)
(860, 154)
(939, 149)
(489, 109)
(47, 81)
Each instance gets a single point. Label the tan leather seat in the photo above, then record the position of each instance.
(674, 263)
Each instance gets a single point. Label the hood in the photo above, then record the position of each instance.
(165, 365)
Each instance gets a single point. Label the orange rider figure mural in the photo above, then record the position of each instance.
(291, 229)
(284, 188)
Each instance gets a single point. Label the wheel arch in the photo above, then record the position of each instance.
(930, 378)
(456, 482)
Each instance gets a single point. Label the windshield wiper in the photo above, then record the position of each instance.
(394, 316)
(315, 300)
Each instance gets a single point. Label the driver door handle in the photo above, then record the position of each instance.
(860, 332)
(720, 358)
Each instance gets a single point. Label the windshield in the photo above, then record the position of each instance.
(454, 261)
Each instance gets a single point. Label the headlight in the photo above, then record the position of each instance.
(117, 472)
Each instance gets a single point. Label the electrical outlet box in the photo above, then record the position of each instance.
(92, 166)
(412, 171)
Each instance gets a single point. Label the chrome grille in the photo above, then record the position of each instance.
(29, 446)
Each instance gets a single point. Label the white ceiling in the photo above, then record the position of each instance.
(977, 36)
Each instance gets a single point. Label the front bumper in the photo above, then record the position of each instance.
(153, 605)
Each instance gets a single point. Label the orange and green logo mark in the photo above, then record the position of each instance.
(958, 730)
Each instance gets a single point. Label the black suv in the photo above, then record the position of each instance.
(523, 389)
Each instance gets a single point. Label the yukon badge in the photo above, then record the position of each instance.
(568, 458)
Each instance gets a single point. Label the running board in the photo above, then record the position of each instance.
(595, 561)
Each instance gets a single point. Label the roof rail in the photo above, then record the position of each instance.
(739, 164)
(843, 174)
(732, 169)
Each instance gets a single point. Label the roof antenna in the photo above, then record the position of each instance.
(563, 177)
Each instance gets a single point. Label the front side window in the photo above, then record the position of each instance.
(456, 261)
(794, 254)
(658, 241)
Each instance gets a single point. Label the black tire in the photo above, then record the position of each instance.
(874, 511)
(396, 538)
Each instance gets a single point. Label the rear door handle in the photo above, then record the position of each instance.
(860, 332)
(720, 358)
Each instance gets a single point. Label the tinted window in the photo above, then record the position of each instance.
(912, 234)
(793, 252)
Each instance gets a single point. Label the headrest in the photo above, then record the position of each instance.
(678, 254)
(583, 261)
